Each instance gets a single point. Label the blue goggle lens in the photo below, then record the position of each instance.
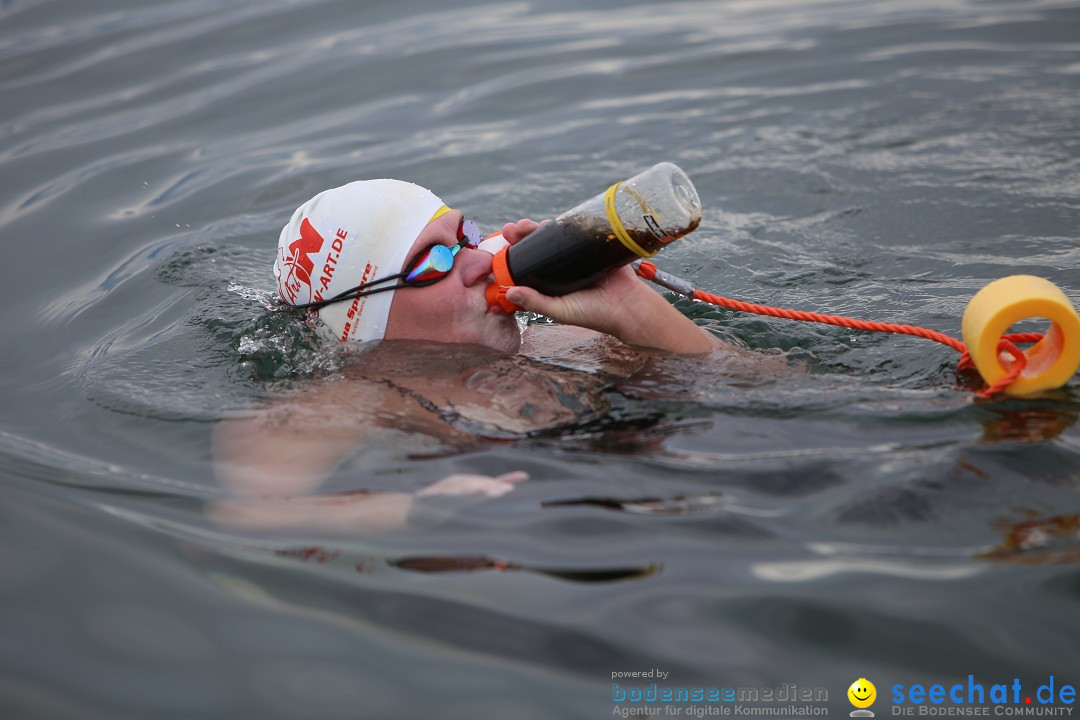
(433, 264)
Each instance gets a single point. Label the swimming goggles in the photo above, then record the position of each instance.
(429, 266)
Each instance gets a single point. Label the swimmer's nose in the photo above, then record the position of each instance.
(475, 266)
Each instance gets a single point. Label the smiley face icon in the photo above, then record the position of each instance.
(862, 693)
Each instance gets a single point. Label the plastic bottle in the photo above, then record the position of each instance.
(633, 219)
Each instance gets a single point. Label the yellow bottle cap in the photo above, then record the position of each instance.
(1052, 361)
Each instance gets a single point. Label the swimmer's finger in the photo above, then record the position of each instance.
(513, 477)
(561, 309)
(515, 232)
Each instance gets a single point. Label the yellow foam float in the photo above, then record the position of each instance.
(1052, 361)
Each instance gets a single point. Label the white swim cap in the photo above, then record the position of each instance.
(347, 236)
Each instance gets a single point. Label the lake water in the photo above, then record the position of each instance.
(866, 518)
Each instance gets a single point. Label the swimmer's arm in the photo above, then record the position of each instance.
(620, 305)
(374, 512)
(293, 445)
(270, 465)
(361, 512)
(271, 462)
(268, 453)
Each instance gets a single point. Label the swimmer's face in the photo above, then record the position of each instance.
(454, 309)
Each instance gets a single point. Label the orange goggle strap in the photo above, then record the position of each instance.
(496, 292)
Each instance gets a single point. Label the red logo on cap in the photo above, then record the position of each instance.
(299, 265)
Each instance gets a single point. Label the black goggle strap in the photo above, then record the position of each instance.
(365, 289)
(469, 236)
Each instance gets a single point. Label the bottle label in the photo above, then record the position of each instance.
(655, 229)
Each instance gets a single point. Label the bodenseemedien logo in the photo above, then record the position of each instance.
(670, 699)
(862, 695)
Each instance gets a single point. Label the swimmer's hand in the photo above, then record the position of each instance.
(620, 305)
(485, 485)
(440, 501)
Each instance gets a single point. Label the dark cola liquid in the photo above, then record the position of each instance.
(558, 259)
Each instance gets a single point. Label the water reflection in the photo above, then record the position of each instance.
(1037, 540)
(483, 563)
(1030, 421)
(679, 505)
(437, 564)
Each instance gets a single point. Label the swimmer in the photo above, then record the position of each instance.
(385, 262)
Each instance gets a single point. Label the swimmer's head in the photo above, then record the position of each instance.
(348, 235)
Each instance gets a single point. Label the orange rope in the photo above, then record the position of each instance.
(1017, 362)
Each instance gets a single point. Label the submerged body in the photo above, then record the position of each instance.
(419, 398)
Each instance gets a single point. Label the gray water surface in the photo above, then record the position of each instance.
(861, 516)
